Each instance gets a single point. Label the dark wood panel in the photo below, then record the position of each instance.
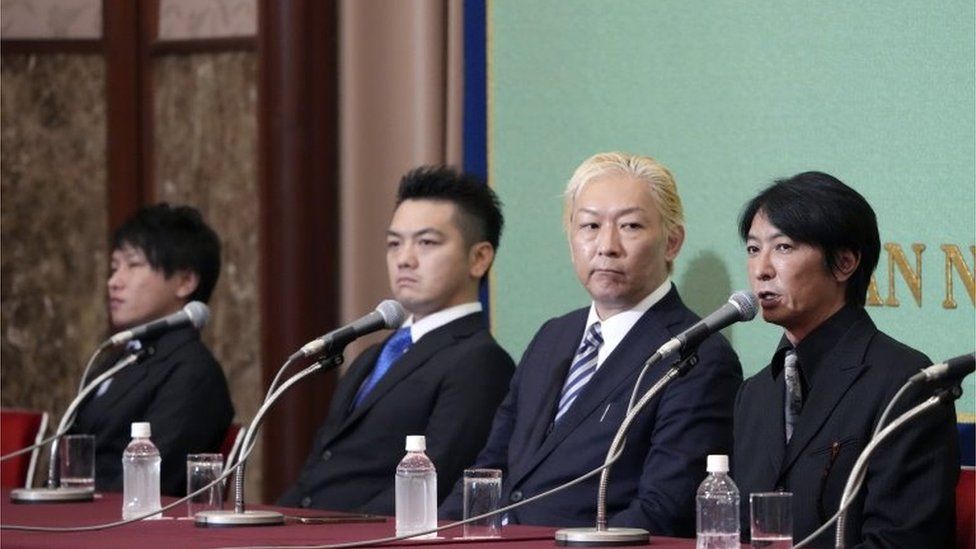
(46, 46)
(298, 148)
(207, 45)
(126, 170)
(148, 23)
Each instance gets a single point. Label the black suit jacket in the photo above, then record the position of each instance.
(179, 389)
(908, 496)
(446, 387)
(653, 484)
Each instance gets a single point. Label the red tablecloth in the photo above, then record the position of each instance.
(176, 532)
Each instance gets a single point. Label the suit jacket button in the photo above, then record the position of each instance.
(306, 501)
(516, 496)
(327, 455)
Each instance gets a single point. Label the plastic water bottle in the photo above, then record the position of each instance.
(140, 467)
(718, 507)
(416, 490)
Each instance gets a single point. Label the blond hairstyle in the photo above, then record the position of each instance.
(642, 168)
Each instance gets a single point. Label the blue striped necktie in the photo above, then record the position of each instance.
(395, 347)
(582, 370)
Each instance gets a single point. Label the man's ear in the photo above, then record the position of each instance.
(675, 239)
(187, 283)
(845, 263)
(480, 257)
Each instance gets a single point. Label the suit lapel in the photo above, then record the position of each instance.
(418, 355)
(621, 367)
(122, 383)
(774, 431)
(133, 375)
(842, 367)
(563, 350)
(347, 391)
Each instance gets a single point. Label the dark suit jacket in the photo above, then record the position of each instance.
(179, 389)
(653, 484)
(446, 387)
(908, 496)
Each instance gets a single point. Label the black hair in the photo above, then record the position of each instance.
(174, 238)
(818, 209)
(480, 212)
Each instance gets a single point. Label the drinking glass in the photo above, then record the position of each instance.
(482, 494)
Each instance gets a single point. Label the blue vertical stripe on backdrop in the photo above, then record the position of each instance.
(475, 131)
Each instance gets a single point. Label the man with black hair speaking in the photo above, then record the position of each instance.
(800, 423)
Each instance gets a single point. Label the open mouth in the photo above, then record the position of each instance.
(767, 298)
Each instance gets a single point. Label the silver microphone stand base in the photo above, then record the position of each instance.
(52, 495)
(611, 537)
(233, 519)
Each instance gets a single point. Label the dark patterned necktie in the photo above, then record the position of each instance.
(794, 392)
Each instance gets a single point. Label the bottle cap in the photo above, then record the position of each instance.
(416, 443)
(141, 429)
(718, 464)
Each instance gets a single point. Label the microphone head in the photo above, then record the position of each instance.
(198, 313)
(392, 312)
(746, 303)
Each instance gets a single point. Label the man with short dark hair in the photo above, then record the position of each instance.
(800, 423)
(441, 375)
(163, 257)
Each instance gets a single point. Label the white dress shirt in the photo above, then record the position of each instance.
(615, 328)
(433, 321)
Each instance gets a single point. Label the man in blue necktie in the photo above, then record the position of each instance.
(624, 221)
(441, 375)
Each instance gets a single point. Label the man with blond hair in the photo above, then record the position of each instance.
(624, 221)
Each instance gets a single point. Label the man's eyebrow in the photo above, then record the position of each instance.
(615, 213)
(414, 234)
(777, 234)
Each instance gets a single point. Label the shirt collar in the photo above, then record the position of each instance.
(812, 350)
(433, 321)
(615, 328)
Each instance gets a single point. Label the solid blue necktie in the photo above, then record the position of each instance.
(582, 370)
(395, 347)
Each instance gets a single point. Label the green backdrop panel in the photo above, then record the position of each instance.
(731, 96)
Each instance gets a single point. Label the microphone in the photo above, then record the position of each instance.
(742, 306)
(958, 367)
(193, 313)
(388, 314)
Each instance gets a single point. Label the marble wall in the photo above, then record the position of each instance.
(205, 155)
(53, 229)
(53, 214)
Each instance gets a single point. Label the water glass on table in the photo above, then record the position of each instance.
(201, 470)
(771, 520)
(76, 456)
(482, 494)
